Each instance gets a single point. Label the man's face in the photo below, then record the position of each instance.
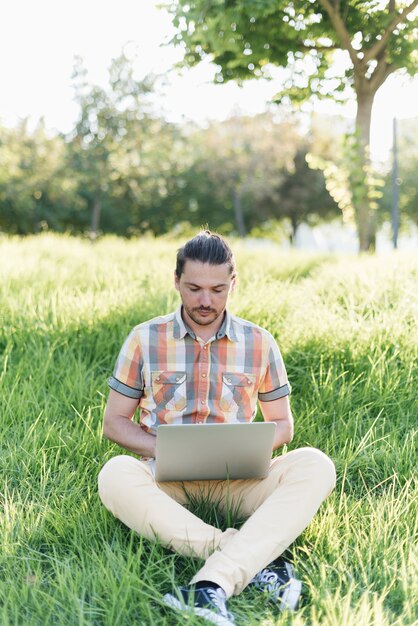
(204, 290)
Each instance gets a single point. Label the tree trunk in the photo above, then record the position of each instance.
(366, 222)
(239, 216)
(294, 223)
(95, 215)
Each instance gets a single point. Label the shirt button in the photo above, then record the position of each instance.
(205, 347)
(202, 402)
(248, 381)
(203, 375)
(158, 378)
(229, 380)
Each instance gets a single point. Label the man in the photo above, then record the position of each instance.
(202, 364)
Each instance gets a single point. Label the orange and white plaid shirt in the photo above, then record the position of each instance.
(180, 379)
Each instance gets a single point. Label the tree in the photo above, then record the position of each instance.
(333, 152)
(248, 172)
(243, 38)
(302, 196)
(104, 143)
(236, 163)
(123, 155)
(35, 189)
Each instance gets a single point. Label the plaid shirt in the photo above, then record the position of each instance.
(179, 378)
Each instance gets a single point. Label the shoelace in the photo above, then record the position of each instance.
(271, 580)
(217, 597)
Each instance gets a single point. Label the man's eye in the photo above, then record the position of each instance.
(194, 289)
(217, 290)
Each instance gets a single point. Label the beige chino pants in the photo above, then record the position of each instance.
(277, 509)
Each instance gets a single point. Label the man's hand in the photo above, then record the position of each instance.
(278, 411)
(119, 427)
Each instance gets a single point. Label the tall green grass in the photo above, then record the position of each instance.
(347, 328)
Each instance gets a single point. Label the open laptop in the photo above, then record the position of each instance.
(213, 451)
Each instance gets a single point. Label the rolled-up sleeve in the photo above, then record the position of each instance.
(127, 376)
(275, 384)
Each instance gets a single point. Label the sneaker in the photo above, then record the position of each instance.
(278, 579)
(207, 602)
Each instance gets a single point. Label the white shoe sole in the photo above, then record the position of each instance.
(291, 594)
(207, 614)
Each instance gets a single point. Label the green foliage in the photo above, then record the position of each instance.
(348, 179)
(134, 173)
(35, 188)
(245, 38)
(303, 195)
(257, 163)
(240, 161)
(113, 152)
(347, 330)
(125, 170)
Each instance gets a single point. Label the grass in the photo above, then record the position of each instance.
(347, 328)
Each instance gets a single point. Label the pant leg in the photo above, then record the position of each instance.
(130, 492)
(279, 509)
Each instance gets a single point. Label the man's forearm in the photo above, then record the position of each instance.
(130, 435)
(283, 434)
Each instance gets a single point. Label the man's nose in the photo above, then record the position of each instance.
(205, 299)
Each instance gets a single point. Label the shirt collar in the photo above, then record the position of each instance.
(181, 329)
(227, 328)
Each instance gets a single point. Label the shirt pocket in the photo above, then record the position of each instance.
(237, 392)
(169, 390)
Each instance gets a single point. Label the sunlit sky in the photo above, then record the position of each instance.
(39, 40)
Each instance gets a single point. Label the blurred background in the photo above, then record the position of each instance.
(140, 119)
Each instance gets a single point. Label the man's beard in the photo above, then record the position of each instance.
(203, 321)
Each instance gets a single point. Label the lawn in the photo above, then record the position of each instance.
(348, 331)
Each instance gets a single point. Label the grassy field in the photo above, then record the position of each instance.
(347, 328)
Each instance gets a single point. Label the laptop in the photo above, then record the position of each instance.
(213, 451)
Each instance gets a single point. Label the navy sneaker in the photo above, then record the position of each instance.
(207, 602)
(279, 581)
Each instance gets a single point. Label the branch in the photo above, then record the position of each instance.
(380, 45)
(342, 32)
(382, 71)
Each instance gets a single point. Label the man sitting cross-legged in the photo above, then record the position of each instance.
(176, 369)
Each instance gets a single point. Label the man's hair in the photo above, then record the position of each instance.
(205, 247)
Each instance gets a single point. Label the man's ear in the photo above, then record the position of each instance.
(234, 282)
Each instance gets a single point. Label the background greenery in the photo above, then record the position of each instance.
(347, 329)
(244, 40)
(125, 169)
